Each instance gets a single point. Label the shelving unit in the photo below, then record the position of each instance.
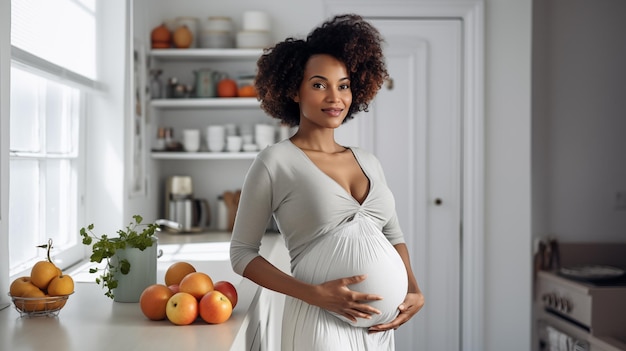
(204, 54)
(198, 103)
(171, 155)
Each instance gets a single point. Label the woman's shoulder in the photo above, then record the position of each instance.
(363, 155)
(278, 153)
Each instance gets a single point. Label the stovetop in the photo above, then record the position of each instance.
(608, 282)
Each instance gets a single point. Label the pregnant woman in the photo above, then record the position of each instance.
(351, 282)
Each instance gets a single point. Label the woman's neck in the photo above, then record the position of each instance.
(322, 140)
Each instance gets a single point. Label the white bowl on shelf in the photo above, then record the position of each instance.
(249, 39)
(216, 40)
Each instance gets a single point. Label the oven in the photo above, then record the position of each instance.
(581, 306)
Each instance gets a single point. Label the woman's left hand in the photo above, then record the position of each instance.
(413, 302)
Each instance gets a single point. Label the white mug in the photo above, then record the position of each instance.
(191, 140)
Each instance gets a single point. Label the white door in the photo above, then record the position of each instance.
(414, 127)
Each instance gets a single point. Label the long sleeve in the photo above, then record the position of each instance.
(253, 215)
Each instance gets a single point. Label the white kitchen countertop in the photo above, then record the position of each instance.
(92, 321)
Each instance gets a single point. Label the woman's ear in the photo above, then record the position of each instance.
(296, 98)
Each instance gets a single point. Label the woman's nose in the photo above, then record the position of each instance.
(332, 95)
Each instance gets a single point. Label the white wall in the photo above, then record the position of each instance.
(579, 119)
(508, 179)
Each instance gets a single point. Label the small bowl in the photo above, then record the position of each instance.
(48, 306)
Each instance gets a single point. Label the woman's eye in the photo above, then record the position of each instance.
(344, 87)
(318, 85)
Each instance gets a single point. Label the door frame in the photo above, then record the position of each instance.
(471, 13)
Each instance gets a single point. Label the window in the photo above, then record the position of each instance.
(52, 79)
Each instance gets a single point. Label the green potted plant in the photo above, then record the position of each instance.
(130, 267)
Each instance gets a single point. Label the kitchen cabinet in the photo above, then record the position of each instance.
(212, 172)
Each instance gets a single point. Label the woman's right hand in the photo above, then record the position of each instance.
(335, 296)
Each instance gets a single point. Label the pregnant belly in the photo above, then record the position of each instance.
(356, 248)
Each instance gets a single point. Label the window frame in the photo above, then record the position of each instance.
(76, 253)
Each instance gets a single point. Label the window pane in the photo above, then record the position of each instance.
(41, 28)
(24, 211)
(61, 113)
(26, 90)
(60, 203)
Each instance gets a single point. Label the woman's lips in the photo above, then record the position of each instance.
(335, 112)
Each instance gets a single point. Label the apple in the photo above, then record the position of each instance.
(196, 284)
(153, 301)
(182, 308)
(215, 307)
(228, 290)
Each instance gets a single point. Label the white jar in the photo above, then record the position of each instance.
(256, 21)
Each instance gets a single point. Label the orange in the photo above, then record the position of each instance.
(227, 88)
(42, 273)
(247, 91)
(177, 271)
(215, 308)
(196, 284)
(21, 285)
(153, 301)
(61, 285)
(33, 305)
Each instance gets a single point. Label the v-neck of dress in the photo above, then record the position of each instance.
(356, 158)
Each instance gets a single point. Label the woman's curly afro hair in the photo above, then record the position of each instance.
(349, 39)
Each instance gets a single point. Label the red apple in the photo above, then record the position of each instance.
(228, 290)
(196, 284)
(215, 307)
(175, 288)
(182, 309)
(153, 301)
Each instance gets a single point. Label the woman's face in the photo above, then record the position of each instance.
(324, 95)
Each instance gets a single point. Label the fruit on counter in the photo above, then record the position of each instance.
(182, 308)
(161, 37)
(158, 301)
(197, 284)
(183, 37)
(215, 307)
(35, 304)
(177, 271)
(42, 274)
(62, 284)
(21, 286)
(153, 301)
(40, 290)
(228, 290)
(227, 88)
(247, 91)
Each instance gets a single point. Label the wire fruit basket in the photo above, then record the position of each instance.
(48, 306)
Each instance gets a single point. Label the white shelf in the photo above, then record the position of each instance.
(171, 155)
(204, 54)
(205, 103)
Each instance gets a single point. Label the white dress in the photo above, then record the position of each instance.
(329, 235)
